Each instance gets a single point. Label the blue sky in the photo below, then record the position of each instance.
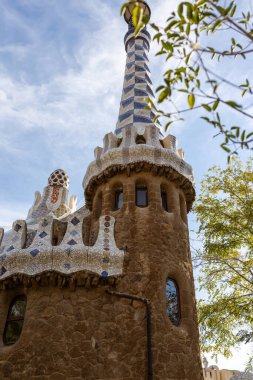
(61, 77)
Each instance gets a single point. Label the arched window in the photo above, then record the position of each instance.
(118, 200)
(164, 200)
(119, 142)
(172, 301)
(15, 320)
(141, 196)
(140, 139)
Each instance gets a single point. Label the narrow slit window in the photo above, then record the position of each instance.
(118, 199)
(164, 200)
(173, 302)
(141, 196)
(15, 320)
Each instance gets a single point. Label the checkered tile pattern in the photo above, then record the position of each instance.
(137, 87)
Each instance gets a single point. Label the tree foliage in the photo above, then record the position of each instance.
(225, 213)
(198, 41)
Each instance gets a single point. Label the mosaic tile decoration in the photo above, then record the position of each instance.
(71, 256)
(15, 238)
(129, 152)
(103, 258)
(36, 258)
(137, 86)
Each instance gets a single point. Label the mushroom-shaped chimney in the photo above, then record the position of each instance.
(59, 178)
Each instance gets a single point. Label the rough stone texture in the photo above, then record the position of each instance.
(85, 333)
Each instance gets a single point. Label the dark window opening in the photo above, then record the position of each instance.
(118, 199)
(140, 140)
(15, 320)
(119, 142)
(172, 302)
(141, 196)
(164, 200)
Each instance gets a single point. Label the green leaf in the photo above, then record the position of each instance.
(224, 147)
(191, 100)
(168, 125)
(154, 26)
(164, 95)
(188, 29)
(189, 11)
(233, 104)
(207, 107)
(180, 10)
(215, 104)
(249, 135)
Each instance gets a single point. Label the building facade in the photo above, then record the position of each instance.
(214, 373)
(106, 291)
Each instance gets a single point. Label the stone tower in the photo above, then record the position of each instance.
(106, 291)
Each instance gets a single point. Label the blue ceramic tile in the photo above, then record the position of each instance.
(72, 242)
(140, 80)
(128, 89)
(127, 102)
(130, 65)
(125, 115)
(139, 58)
(42, 235)
(130, 54)
(34, 252)
(142, 119)
(139, 68)
(139, 106)
(129, 77)
(138, 92)
(75, 221)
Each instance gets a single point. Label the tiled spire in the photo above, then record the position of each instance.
(137, 87)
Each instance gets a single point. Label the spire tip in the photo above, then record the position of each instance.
(129, 10)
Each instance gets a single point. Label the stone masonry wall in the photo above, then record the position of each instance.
(84, 333)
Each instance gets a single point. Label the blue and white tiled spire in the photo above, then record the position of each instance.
(137, 87)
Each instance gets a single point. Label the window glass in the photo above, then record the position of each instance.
(172, 302)
(141, 197)
(15, 320)
(164, 200)
(118, 199)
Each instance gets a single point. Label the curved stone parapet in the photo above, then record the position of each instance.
(128, 150)
(71, 256)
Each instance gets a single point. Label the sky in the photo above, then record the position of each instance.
(61, 76)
